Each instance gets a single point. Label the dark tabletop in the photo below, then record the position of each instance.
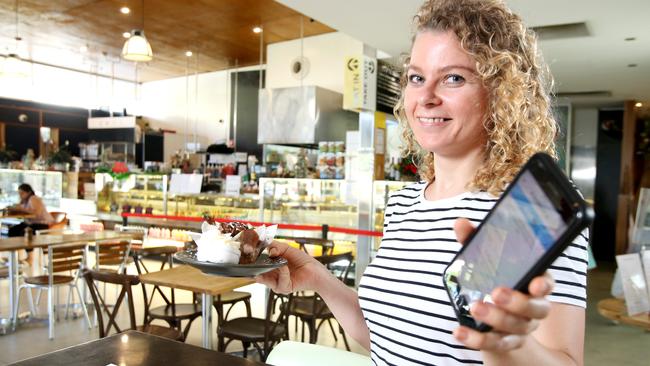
(135, 348)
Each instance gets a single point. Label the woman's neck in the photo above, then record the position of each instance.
(453, 174)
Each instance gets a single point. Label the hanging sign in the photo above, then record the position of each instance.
(360, 84)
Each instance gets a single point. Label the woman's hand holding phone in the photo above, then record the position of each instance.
(513, 316)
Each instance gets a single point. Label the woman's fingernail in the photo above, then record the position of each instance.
(461, 334)
(479, 310)
(503, 296)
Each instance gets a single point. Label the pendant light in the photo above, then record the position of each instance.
(13, 66)
(137, 48)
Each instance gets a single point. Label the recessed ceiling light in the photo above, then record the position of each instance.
(188, 53)
(638, 105)
(630, 39)
(125, 10)
(126, 34)
(83, 49)
(632, 65)
(257, 30)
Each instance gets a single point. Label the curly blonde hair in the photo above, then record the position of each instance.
(519, 120)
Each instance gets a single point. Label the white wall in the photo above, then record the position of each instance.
(326, 54)
(165, 105)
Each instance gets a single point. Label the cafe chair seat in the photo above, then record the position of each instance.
(250, 329)
(43, 280)
(290, 353)
(178, 311)
(169, 333)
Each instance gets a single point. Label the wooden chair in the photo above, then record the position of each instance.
(125, 282)
(262, 333)
(64, 265)
(112, 254)
(172, 313)
(312, 310)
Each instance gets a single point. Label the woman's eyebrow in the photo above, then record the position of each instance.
(451, 67)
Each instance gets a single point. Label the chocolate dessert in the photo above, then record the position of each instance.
(232, 228)
(250, 246)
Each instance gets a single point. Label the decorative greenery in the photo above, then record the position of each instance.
(119, 171)
(60, 156)
(7, 155)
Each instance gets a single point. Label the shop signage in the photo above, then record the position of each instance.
(111, 122)
(360, 83)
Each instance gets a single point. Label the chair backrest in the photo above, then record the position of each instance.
(60, 220)
(275, 300)
(328, 260)
(112, 254)
(101, 308)
(65, 258)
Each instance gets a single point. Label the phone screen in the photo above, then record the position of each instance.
(519, 231)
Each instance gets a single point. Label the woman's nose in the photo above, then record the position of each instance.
(429, 97)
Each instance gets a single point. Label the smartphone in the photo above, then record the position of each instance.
(536, 218)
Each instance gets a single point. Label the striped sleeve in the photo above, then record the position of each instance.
(570, 273)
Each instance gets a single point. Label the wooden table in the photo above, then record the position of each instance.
(135, 348)
(615, 310)
(191, 279)
(12, 245)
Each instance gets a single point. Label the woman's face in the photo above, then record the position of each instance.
(445, 101)
(23, 195)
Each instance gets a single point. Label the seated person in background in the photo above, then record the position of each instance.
(30, 204)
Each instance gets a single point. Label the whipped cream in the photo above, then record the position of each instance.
(215, 247)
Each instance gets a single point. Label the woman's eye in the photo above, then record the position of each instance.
(454, 79)
(415, 79)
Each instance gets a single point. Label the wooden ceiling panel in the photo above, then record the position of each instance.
(219, 30)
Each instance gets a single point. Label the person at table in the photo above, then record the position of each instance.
(30, 204)
(475, 105)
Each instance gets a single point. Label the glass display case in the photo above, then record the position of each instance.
(149, 193)
(242, 207)
(46, 184)
(308, 201)
(382, 190)
(138, 193)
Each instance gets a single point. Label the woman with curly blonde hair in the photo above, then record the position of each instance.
(475, 106)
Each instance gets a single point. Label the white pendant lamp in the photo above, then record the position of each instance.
(137, 48)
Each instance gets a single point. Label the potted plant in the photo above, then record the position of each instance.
(61, 159)
(6, 157)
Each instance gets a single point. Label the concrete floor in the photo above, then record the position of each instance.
(605, 344)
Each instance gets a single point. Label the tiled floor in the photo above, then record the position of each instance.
(606, 344)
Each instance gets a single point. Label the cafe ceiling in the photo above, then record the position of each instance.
(608, 61)
(219, 32)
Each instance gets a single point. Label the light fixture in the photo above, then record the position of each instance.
(137, 48)
(125, 10)
(188, 53)
(257, 30)
(126, 34)
(638, 104)
(83, 49)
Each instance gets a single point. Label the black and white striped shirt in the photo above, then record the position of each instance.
(405, 305)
